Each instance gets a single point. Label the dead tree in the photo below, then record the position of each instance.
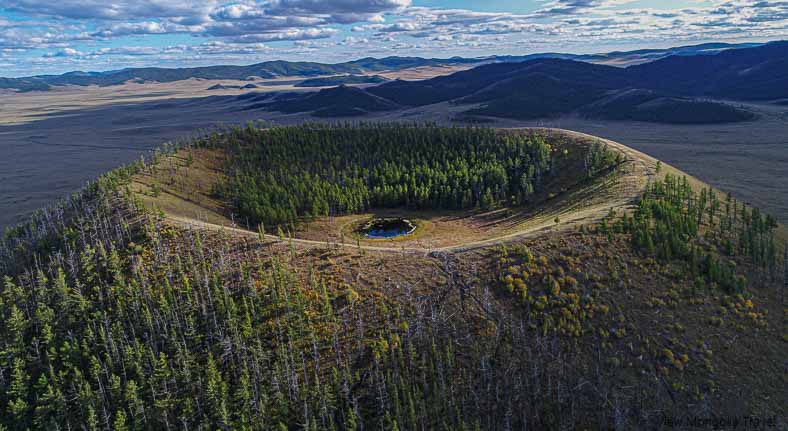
(785, 274)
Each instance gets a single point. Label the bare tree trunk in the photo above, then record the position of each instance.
(785, 276)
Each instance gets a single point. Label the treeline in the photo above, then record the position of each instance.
(283, 174)
(671, 219)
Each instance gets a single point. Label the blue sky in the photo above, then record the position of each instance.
(55, 36)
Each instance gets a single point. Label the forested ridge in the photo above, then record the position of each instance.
(283, 174)
(671, 217)
(114, 320)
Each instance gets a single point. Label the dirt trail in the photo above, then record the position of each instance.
(637, 170)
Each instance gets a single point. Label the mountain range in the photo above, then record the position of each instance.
(691, 84)
(630, 58)
(269, 69)
(674, 89)
(278, 68)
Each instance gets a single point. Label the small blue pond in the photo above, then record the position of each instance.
(387, 228)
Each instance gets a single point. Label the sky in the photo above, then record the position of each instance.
(57, 36)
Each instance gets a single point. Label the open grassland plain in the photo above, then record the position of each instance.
(143, 313)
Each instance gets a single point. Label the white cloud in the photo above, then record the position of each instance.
(351, 40)
(290, 34)
(67, 52)
(571, 7)
(239, 30)
(112, 10)
(246, 20)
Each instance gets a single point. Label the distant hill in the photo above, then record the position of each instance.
(641, 56)
(534, 95)
(756, 73)
(662, 91)
(279, 68)
(399, 63)
(232, 87)
(23, 84)
(534, 89)
(269, 69)
(331, 81)
(759, 73)
(342, 101)
(464, 84)
(502, 80)
(624, 58)
(645, 105)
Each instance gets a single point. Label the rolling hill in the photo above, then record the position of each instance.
(625, 58)
(23, 84)
(678, 89)
(342, 101)
(278, 68)
(269, 69)
(759, 73)
(745, 74)
(331, 81)
(496, 79)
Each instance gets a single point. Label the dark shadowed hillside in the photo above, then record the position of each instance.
(646, 105)
(331, 81)
(546, 88)
(342, 101)
(662, 91)
(747, 74)
(269, 69)
(22, 85)
(759, 73)
(504, 78)
(535, 95)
